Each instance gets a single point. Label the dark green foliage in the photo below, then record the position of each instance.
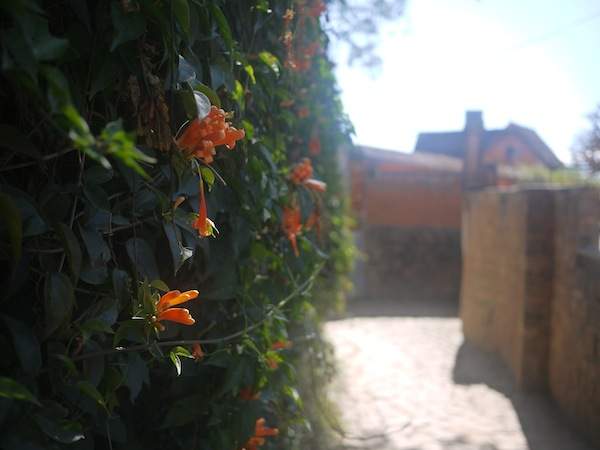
(97, 204)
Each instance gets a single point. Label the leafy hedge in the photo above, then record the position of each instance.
(111, 199)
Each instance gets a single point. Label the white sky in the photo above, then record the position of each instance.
(532, 62)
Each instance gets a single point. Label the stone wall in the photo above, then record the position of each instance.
(531, 291)
(574, 375)
(418, 263)
(507, 258)
(408, 212)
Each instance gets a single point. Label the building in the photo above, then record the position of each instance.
(408, 206)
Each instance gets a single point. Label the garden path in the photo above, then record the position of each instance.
(407, 381)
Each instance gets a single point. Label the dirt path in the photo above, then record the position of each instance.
(410, 383)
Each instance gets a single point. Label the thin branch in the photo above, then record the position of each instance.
(143, 347)
(33, 163)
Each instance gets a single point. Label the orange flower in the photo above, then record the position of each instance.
(301, 174)
(292, 226)
(314, 146)
(301, 171)
(280, 345)
(202, 136)
(315, 185)
(248, 394)
(165, 310)
(197, 352)
(289, 15)
(272, 363)
(203, 224)
(303, 112)
(260, 432)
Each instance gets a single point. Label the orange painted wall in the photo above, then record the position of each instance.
(404, 195)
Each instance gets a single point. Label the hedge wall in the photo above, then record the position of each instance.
(173, 221)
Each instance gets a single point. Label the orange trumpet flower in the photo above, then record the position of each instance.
(292, 226)
(260, 432)
(165, 310)
(203, 224)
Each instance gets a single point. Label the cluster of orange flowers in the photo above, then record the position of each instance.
(260, 433)
(299, 53)
(166, 312)
(202, 136)
(302, 173)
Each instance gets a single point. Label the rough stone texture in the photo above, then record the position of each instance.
(531, 291)
(575, 342)
(411, 383)
(410, 263)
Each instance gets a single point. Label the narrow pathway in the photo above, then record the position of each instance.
(410, 383)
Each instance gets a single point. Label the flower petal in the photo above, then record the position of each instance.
(178, 315)
(181, 298)
(315, 185)
(161, 305)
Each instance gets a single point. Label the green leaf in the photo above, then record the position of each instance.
(128, 26)
(222, 25)
(212, 95)
(97, 249)
(142, 257)
(185, 411)
(59, 94)
(185, 71)
(208, 175)
(176, 362)
(98, 175)
(121, 145)
(72, 249)
(27, 346)
(270, 60)
(179, 253)
(90, 390)
(250, 71)
(181, 10)
(136, 375)
(58, 302)
(97, 196)
(132, 330)
(68, 363)
(62, 430)
(13, 139)
(9, 388)
(11, 218)
(121, 285)
(94, 326)
(160, 285)
(175, 355)
(238, 93)
(195, 104)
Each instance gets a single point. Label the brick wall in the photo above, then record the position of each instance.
(575, 341)
(531, 291)
(506, 262)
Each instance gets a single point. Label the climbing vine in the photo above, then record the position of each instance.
(173, 220)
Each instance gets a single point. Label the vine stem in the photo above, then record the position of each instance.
(33, 163)
(143, 347)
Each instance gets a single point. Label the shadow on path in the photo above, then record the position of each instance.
(543, 425)
(408, 381)
(401, 308)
